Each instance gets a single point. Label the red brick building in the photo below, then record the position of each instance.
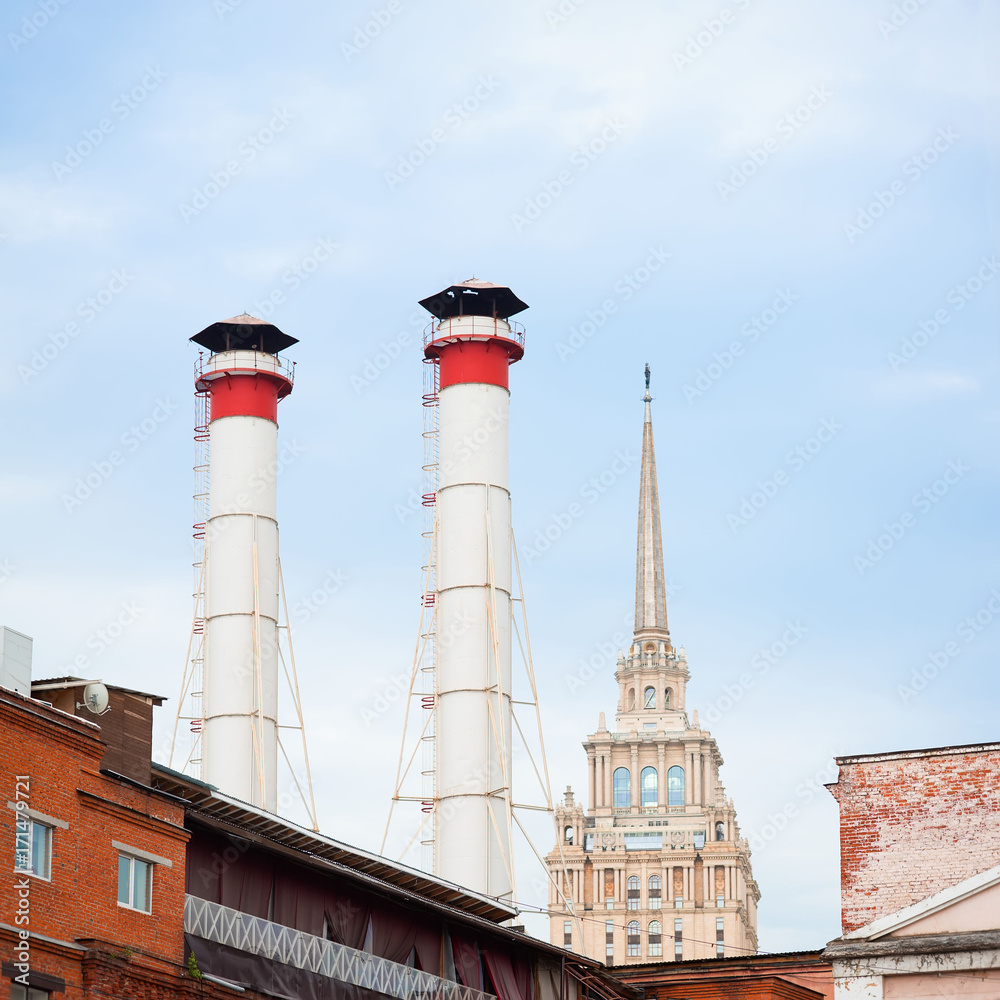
(134, 881)
(70, 827)
(920, 874)
(912, 823)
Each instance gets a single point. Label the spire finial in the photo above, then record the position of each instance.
(650, 589)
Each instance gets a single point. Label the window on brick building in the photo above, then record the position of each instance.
(33, 847)
(19, 992)
(655, 939)
(632, 939)
(678, 939)
(720, 937)
(135, 883)
(567, 933)
(609, 939)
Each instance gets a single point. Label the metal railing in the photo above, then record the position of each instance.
(482, 326)
(251, 360)
(257, 936)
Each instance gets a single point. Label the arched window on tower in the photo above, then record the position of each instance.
(632, 892)
(622, 787)
(654, 893)
(632, 938)
(647, 779)
(720, 831)
(649, 698)
(630, 700)
(675, 786)
(655, 939)
(568, 834)
(666, 698)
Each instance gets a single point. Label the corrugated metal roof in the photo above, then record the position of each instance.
(215, 805)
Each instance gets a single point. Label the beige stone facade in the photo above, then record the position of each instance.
(655, 869)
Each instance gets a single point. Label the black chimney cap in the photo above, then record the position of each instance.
(243, 333)
(474, 298)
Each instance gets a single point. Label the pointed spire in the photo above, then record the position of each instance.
(650, 589)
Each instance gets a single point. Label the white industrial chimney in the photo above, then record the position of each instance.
(245, 379)
(473, 343)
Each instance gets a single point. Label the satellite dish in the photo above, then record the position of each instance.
(95, 698)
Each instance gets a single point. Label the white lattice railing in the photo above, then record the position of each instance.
(226, 926)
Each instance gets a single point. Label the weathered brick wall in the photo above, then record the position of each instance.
(51, 761)
(913, 824)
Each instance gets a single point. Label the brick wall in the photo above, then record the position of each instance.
(914, 823)
(51, 760)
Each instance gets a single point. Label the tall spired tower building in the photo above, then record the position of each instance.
(655, 869)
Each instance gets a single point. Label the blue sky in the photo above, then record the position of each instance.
(838, 161)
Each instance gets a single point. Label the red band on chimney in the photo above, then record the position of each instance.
(245, 396)
(466, 361)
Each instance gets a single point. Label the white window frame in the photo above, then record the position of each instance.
(129, 904)
(132, 855)
(29, 852)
